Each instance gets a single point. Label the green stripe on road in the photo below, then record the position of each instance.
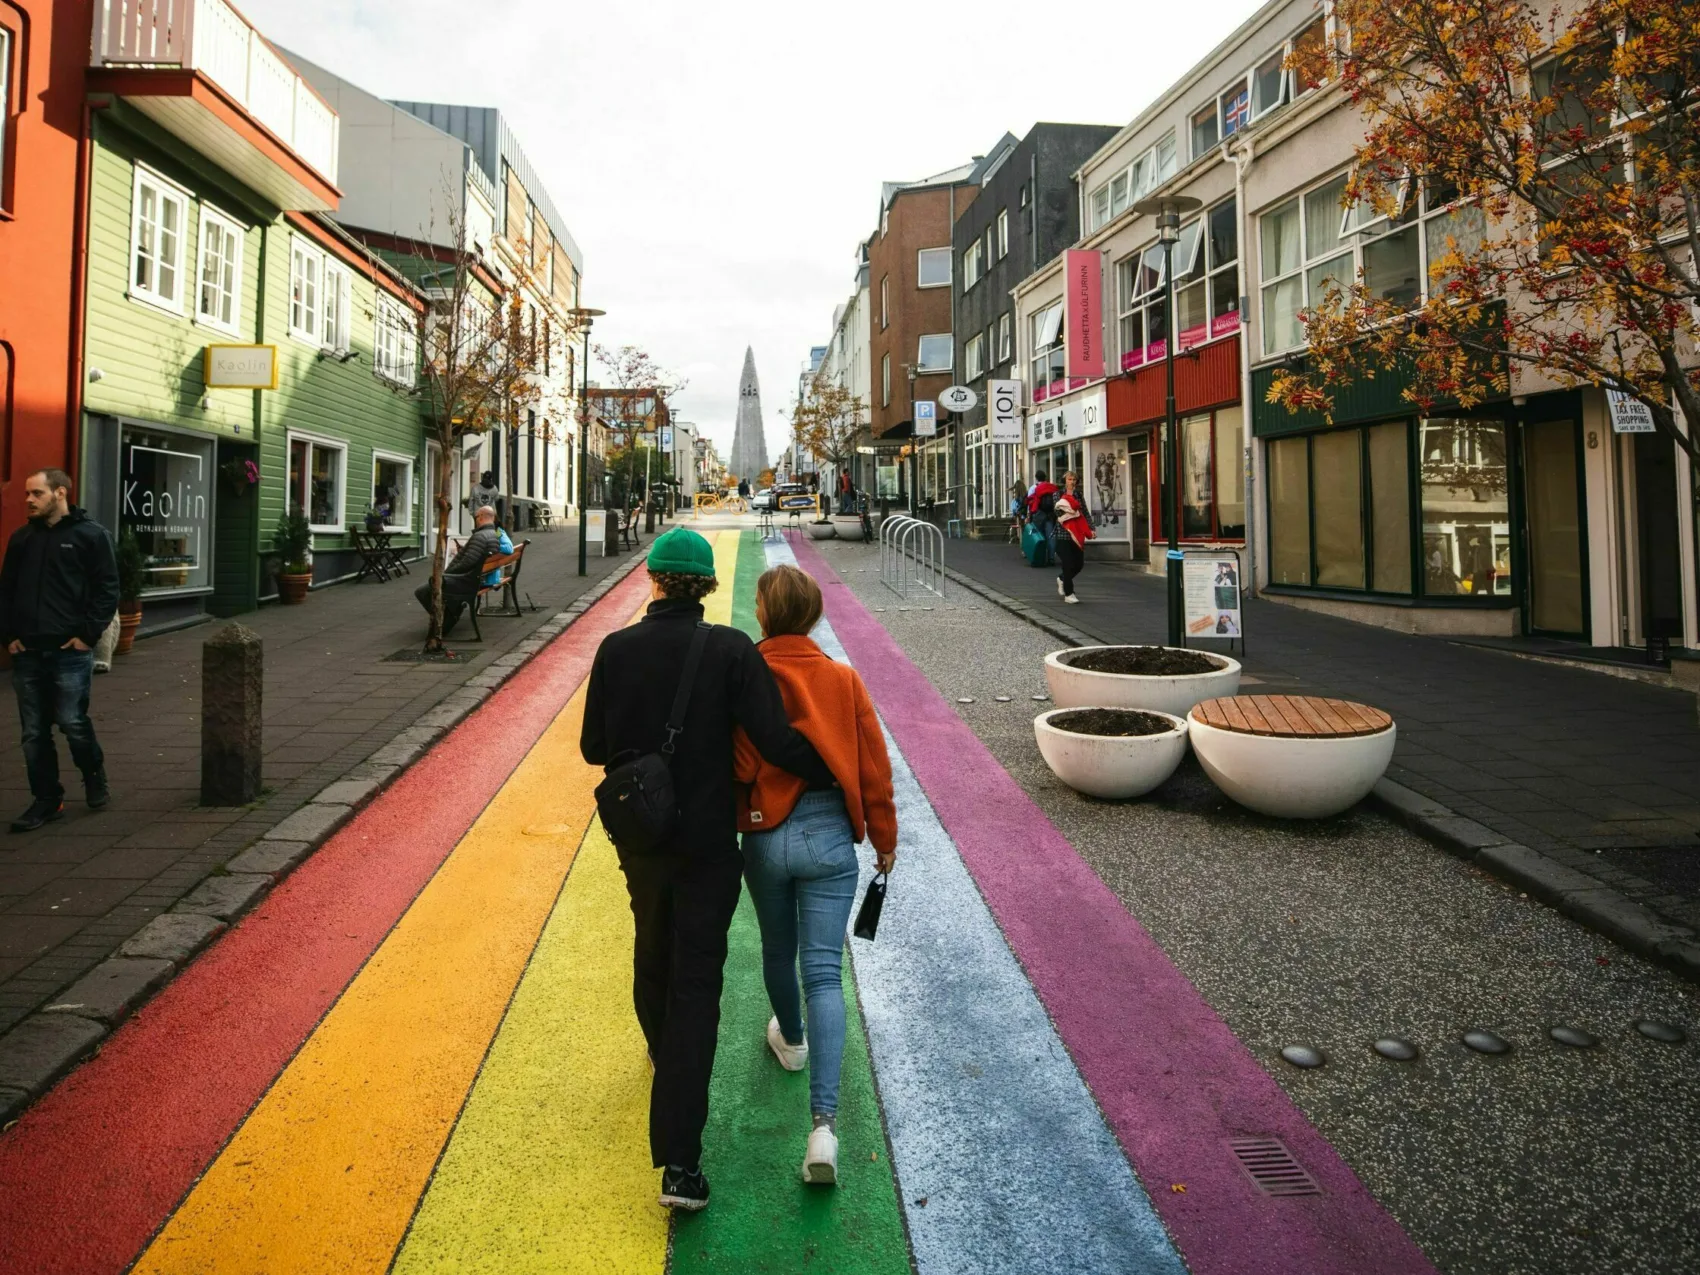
(763, 1218)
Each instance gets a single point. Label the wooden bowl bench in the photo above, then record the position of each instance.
(1292, 756)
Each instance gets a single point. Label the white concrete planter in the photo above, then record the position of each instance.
(1292, 778)
(821, 530)
(1081, 688)
(1113, 766)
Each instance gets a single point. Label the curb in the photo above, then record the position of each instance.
(43, 1047)
(1575, 893)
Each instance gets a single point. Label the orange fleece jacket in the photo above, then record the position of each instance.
(827, 702)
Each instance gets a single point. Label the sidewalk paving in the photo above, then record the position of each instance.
(72, 892)
(1601, 773)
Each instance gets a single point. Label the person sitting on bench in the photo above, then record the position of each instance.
(462, 576)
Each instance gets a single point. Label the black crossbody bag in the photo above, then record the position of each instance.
(636, 800)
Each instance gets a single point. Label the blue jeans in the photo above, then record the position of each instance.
(802, 879)
(53, 690)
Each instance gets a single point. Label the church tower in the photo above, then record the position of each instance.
(749, 441)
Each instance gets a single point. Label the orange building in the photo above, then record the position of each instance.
(43, 61)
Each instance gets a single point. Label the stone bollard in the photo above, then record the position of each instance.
(232, 665)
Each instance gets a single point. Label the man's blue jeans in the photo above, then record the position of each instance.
(802, 879)
(53, 690)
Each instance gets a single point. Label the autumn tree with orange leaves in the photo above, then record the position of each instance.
(1567, 142)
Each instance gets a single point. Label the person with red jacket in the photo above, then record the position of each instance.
(1074, 529)
(800, 845)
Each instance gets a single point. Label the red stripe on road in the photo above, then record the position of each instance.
(94, 1168)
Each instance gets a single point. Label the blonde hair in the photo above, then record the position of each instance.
(790, 600)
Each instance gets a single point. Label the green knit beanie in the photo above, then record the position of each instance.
(681, 551)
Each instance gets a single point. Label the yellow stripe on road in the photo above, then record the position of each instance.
(548, 1169)
(326, 1171)
(717, 606)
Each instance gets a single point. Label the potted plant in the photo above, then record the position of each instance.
(131, 565)
(375, 521)
(1164, 679)
(294, 543)
(1115, 753)
(240, 475)
(822, 529)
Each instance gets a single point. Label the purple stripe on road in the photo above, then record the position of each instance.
(1173, 1081)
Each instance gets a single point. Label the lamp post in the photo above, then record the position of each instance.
(586, 317)
(1167, 209)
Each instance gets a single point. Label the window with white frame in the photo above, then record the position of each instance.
(973, 265)
(885, 380)
(392, 490)
(1267, 85)
(1005, 331)
(932, 268)
(335, 307)
(306, 287)
(316, 470)
(1150, 170)
(159, 215)
(218, 301)
(395, 342)
(1316, 239)
(1003, 234)
(1205, 131)
(933, 353)
(974, 357)
(1047, 357)
(885, 298)
(1207, 289)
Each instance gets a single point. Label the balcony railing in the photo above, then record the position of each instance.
(211, 37)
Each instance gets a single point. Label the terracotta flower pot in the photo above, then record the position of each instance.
(129, 620)
(292, 588)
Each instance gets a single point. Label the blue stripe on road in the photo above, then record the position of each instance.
(990, 1122)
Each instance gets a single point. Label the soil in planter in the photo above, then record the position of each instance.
(1110, 721)
(1148, 661)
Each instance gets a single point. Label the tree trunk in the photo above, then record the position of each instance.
(439, 551)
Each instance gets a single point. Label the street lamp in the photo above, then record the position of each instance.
(1167, 209)
(586, 317)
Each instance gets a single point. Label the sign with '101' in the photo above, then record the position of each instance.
(1003, 410)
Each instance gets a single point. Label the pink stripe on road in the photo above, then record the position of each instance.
(1173, 1081)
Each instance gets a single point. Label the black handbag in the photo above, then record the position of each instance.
(639, 809)
(868, 915)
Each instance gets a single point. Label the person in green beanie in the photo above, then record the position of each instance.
(682, 901)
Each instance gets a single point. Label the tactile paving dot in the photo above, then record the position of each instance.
(1486, 1042)
(1668, 1033)
(1396, 1048)
(1575, 1037)
(1302, 1055)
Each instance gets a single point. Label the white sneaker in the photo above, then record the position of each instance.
(820, 1161)
(791, 1057)
(1060, 592)
(1071, 599)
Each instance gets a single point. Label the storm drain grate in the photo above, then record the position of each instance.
(1271, 1167)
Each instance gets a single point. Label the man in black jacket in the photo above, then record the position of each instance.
(463, 574)
(58, 591)
(683, 902)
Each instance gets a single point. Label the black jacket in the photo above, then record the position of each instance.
(58, 583)
(632, 684)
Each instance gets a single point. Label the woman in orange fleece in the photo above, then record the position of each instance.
(800, 846)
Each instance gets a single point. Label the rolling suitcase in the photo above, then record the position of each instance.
(1035, 546)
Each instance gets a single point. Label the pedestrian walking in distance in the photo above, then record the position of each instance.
(58, 592)
(800, 847)
(683, 893)
(1073, 530)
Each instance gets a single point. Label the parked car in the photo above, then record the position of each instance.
(763, 499)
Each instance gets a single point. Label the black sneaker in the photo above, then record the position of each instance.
(94, 786)
(41, 811)
(683, 1189)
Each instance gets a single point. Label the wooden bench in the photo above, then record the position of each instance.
(1292, 756)
(509, 565)
(628, 528)
(1297, 716)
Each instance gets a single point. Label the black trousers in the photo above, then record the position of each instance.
(682, 906)
(456, 594)
(1070, 559)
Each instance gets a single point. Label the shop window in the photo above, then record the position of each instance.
(219, 303)
(165, 501)
(1337, 508)
(316, 481)
(1198, 490)
(1289, 511)
(1390, 507)
(1466, 509)
(160, 214)
(1230, 473)
(392, 490)
(932, 268)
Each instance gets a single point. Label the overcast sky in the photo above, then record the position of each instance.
(719, 162)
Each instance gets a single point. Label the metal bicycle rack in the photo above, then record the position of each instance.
(911, 555)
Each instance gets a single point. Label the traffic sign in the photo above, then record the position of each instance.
(958, 398)
(926, 418)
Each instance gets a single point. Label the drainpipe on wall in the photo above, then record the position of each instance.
(1241, 156)
(80, 289)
